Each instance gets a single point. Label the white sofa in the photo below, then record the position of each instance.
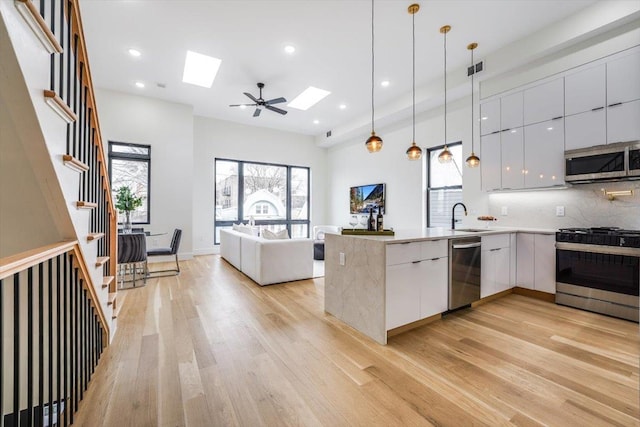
(267, 261)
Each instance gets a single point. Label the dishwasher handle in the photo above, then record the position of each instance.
(466, 246)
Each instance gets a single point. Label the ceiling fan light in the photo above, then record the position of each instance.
(374, 143)
(414, 152)
(445, 156)
(473, 160)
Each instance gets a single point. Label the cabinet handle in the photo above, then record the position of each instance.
(556, 118)
(614, 105)
(596, 109)
(504, 130)
(416, 262)
(435, 259)
(497, 131)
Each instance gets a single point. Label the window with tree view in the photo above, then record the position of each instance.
(275, 196)
(130, 165)
(444, 185)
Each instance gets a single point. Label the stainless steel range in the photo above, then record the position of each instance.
(598, 269)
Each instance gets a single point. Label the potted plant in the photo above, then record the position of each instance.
(126, 202)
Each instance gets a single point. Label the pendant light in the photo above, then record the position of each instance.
(374, 143)
(414, 152)
(445, 156)
(472, 160)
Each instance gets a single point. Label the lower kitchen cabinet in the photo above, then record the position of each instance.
(536, 262)
(496, 261)
(435, 285)
(403, 293)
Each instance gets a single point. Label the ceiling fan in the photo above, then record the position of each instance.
(259, 102)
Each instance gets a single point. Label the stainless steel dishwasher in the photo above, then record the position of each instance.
(464, 271)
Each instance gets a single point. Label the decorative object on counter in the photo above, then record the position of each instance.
(379, 221)
(473, 160)
(414, 152)
(362, 232)
(353, 221)
(487, 218)
(453, 214)
(612, 194)
(445, 156)
(371, 224)
(374, 143)
(126, 202)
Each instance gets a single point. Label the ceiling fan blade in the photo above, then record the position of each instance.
(242, 105)
(257, 112)
(276, 109)
(253, 98)
(275, 101)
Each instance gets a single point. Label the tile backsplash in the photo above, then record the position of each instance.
(584, 205)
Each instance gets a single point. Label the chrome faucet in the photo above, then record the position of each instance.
(453, 214)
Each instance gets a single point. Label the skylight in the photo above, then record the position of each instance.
(308, 98)
(200, 70)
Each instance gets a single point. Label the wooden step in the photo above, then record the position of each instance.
(101, 260)
(38, 25)
(86, 205)
(106, 281)
(73, 163)
(112, 298)
(94, 236)
(59, 106)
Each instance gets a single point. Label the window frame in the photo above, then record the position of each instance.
(429, 188)
(288, 221)
(136, 158)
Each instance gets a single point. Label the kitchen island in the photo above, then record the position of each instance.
(382, 285)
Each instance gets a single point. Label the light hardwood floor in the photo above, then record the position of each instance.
(211, 348)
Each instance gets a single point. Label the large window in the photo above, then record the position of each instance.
(274, 196)
(444, 185)
(130, 165)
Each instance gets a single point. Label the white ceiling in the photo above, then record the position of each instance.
(333, 49)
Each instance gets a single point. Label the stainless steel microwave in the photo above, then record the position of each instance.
(610, 162)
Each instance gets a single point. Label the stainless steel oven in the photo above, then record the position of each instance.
(599, 270)
(603, 162)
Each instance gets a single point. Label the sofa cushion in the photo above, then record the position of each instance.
(270, 235)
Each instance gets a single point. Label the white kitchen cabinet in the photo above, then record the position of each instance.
(491, 162)
(623, 121)
(513, 244)
(495, 262)
(544, 102)
(512, 164)
(623, 81)
(585, 129)
(416, 284)
(511, 111)
(585, 90)
(490, 116)
(544, 154)
(536, 262)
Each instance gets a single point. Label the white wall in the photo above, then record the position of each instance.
(168, 128)
(217, 138)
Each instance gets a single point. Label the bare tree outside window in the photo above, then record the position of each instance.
(130, 165)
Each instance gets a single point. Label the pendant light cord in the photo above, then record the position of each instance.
(372, 68)
(445, 89)
(414, 76)
(472, 116)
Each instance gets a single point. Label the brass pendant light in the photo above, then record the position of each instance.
(374, 143)
(445, 156)
(414, 152)
(473, 160)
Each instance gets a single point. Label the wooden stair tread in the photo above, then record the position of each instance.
(94, 236)
(74, 163)
(106, 281)
(112, 298)
(101, 260)
(86, 205)
(59, 106)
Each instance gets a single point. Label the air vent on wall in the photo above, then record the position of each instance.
(475, 69)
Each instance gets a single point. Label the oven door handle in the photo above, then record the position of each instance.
(598, 249)
(466, 246)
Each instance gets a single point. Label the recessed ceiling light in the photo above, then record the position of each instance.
(342, 106)
(134, 52)
(316, 121)
(550, 128)
(289, 49)
(484, 118)
(308, 98)
(384, 83)
(139, 85)
(199, 69)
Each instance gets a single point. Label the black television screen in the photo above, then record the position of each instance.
(364, 198)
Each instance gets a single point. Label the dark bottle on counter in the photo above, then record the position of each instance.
(371, 224)
(379, 222)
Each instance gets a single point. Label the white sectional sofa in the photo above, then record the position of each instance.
(267, 261)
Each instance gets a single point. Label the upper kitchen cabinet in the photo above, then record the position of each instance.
(511, 111)
(491, 162)
(490, 117)
(623, 79)
(585, 91)
(544, 102)
(544, 154)
(623, 122)
(512, 149)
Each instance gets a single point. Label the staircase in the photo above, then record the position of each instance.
(58, 296)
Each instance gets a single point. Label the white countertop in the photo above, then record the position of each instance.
(438, 233)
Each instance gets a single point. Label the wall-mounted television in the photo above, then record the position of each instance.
(364, 198)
